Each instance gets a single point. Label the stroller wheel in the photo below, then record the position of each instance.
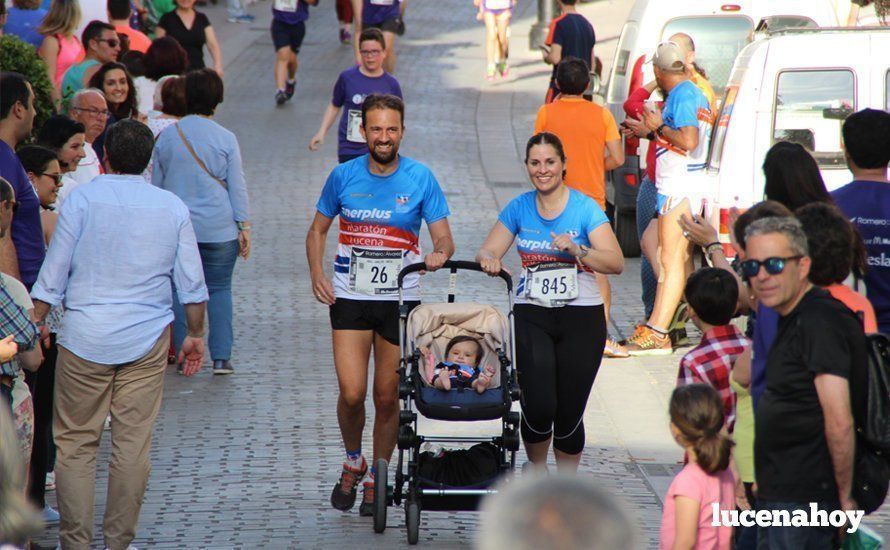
(380, 495)
(511, 439)
(412, 520)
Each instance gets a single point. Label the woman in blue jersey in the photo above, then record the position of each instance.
(562, 237)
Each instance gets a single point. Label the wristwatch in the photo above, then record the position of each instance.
(243, 226)
(584, 251)
(713, 247)
(658, 130)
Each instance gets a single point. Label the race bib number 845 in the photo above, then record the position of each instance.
(375, 272)
(552, 284)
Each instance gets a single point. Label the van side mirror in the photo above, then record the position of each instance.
(837, 113)
(596, 85)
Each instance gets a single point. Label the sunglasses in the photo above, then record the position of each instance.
(773, 266)
(112, 42)
(56, 177)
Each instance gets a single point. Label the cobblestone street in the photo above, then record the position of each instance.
(249, 460)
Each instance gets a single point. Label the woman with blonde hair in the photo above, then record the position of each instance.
(61, 48)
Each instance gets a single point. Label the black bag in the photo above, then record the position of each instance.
(871, 471)
(476, 467)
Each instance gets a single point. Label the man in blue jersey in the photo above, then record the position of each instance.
(381, 199)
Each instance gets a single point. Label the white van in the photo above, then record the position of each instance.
(720, 29)
(795, 85)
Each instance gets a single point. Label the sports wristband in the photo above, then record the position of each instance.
(243, 226)
(650, 136)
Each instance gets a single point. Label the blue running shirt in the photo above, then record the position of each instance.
(680, 173)
(380, 226)
(533, 241)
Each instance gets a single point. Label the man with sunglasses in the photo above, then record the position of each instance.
(102, 45)
(803, 445)
(90, 109)
(352, 87)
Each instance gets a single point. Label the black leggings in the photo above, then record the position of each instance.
(558, 353)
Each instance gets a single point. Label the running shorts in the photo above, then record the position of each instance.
(394, 25)
(381, 316)
(291, 36)
(698, 206)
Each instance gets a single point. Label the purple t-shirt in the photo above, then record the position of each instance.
(291, 17)
(375, 12)
(350, 91)
(867, 204)
(766, 326)
(26, 229)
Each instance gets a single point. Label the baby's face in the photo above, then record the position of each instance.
(464, 353)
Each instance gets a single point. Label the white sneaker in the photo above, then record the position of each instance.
(131, 547)
(107, 425)
(50, 481)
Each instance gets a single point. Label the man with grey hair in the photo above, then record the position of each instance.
(88, 106)
(804, 430)
(118, 247)
(558, 512)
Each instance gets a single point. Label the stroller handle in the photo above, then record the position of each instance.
(454, 266)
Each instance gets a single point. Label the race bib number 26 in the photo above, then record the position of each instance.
(553, 284)
(375, 272)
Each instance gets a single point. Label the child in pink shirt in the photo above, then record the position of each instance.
(697, 425)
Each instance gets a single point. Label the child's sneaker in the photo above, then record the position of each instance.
(343, 495)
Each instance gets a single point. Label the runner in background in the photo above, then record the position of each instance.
(352, 87)
(571, 34)
(386, 15)
(344, 17)
(496, 14)
(288, 30)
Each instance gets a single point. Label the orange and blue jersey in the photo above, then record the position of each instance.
(380, 214)
(679, 172)
(535, 245)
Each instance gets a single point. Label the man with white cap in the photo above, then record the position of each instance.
(681, 134)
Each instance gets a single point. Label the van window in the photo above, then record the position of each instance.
(718, 39)
(719, 136)
(810, 109)
(618, 82)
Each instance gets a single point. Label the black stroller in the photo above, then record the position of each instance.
(432, 325)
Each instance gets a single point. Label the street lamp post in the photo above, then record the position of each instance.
(538, 33)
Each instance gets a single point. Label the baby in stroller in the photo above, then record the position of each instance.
(461, 366)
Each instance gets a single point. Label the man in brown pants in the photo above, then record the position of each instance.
(119, 244)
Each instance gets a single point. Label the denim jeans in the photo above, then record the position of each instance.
(218, 260)
(646, 208)
(236, 8)
(796, 538)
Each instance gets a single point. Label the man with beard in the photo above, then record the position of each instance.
(381, 198)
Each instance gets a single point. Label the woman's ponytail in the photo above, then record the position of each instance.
(697, 412)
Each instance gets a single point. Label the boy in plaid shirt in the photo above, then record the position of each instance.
(711, 296)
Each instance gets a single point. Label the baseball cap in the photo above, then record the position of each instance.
(668, 57)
